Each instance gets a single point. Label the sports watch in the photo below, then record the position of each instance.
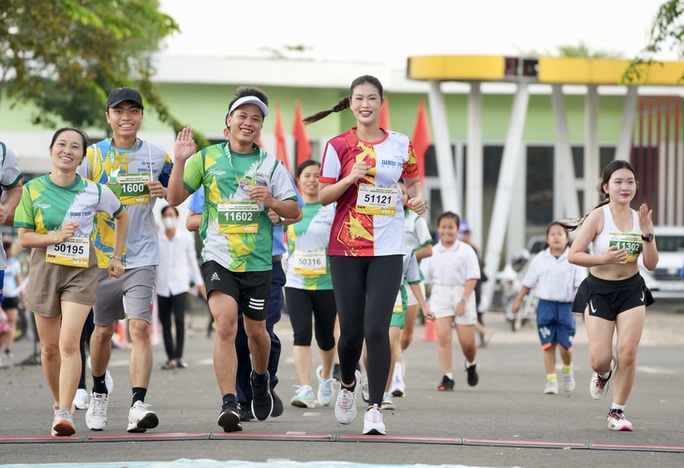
(648, 238)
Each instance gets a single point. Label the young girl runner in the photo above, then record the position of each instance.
(556, 281)
(453, 271)
(614, 296)
(55, 218)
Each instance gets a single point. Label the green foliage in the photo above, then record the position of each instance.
(66, 55)
(667, 33)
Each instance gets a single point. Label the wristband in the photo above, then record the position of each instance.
(463, 300)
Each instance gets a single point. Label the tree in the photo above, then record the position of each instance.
(65, 56)
(667, 33)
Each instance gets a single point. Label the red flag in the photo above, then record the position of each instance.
(299, 133)
(281, 149)
(384, 122)
(421, 138)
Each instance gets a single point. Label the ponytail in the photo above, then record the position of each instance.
(340, 106)
(570, 224)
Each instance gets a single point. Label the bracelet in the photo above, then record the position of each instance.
(114, 257)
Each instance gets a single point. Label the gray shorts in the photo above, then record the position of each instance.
(131, 296)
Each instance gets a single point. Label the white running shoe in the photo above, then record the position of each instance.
(387, 402)
(96, 416)
(325, 388)
(372, 422)
(81, 399)
(63, 423)
(141, 418)
(345, 407)
(568, 381)
(304, 397)
(551, 387)
(617, 421)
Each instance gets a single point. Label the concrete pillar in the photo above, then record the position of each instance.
(565, 198)
(445, 163)
(474, 165)
(504, 191)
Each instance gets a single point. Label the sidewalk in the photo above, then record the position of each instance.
(504, 421)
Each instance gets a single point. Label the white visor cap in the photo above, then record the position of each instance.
(249, 100)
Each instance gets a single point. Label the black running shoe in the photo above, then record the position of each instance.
(262, 400)
(447, 384)
(473, 378)
(229, 419)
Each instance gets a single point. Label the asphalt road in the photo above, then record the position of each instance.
(504, 421)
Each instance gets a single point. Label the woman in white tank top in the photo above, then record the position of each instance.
(614, 296)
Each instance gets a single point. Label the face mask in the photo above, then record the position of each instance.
(169, 222)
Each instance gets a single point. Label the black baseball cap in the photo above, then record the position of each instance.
(119, 95)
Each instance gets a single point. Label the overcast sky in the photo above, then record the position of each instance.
(389, 31)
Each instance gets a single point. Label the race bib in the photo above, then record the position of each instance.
(131, 189)
(310, 263)
(630, 241)
(398, 304)
(74, 252)
(377, 200)
(238, 217)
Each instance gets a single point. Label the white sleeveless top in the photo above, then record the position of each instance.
(611, 235)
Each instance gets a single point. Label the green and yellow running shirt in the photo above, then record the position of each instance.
(236, 231)
(125, 172)
(46, 207)
(308, 265)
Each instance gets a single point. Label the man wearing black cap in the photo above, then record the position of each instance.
(137, 171)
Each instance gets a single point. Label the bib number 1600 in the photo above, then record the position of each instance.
(132, 188)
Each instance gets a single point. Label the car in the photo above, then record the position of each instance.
(665, 281)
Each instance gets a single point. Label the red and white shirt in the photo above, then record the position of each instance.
(369, 220)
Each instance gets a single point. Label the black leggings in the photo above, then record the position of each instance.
(366, 289)
(301, 305)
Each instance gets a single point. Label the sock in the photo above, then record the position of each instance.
(228, 398)
(470, 364)
(567, 369)
(138, 395)
(258, 379)
(551, 378)
(615, 406)
(605, 376)
(450, 375)
(99, 384)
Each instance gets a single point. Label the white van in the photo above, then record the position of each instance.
(665, 281)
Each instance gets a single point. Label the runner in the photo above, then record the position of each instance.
(614, 296)
(54, 218)
(136, 171)
(360, 171)
(242, 183)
